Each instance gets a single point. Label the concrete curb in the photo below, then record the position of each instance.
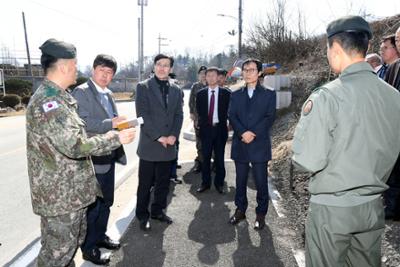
(29, 253)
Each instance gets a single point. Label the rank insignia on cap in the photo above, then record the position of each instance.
(50, 106)
(307, 107)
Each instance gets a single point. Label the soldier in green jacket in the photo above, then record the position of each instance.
(348, 138)
(61, 173)
(196, 87)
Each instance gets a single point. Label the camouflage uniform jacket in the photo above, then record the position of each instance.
(196, 87)
(60, 170)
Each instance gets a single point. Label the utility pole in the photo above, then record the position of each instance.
(159, 42)
(141, 3)
(27, 51)
(240, 30)
(139, 53)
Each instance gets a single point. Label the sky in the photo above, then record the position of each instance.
(189, 26)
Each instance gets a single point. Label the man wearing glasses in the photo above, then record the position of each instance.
(389, 54)
(251, 114)
(159, 103)
(392, 195)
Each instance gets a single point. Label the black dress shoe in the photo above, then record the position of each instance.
(260, 222)
(162, 218)
(175, 180)
(197, 169)
(108, 243)
(94, 256)
(145, 225)
(237, 217)
(202, 188)
(220, 189)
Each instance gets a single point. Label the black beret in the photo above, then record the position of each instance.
(58, 49)
(202, 68)
(349, 24)
(222, 72)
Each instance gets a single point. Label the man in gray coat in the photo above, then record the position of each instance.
(159, 103)
(97, 108)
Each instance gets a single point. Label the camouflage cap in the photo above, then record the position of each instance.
(58, 49)
(349, 24)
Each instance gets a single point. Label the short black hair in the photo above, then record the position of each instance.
(210, 69)
(391, 38)
(161, 56)
(47, 62)
(351, 42)
(253, 60)
(105, 61)
(222, 72)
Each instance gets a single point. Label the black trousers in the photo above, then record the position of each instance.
(392, 195)
(152, 173)
(261, 180)
(99, 211)
(213, 138)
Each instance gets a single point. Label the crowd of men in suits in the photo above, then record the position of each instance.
(387, 66)
(251, 112)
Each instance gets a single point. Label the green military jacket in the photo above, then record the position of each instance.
(196, 87)
(60, 170)
(348, 136)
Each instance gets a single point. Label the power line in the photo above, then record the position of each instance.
(159, 42)
(88, 22)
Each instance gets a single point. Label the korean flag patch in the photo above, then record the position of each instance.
(50, 106)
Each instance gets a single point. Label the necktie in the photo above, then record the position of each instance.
(211, 110)
(107, 105)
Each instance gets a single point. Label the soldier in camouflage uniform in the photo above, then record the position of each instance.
(193, 113)
(61, 173)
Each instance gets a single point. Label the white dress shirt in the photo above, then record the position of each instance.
(215, 114)
(250, 91)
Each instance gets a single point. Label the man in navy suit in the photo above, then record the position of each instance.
(212, 104)
(251, 114)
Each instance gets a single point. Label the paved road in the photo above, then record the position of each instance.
(18, 225)
(200, 235)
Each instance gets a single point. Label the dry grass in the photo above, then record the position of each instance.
(14, 113)
(123, 95)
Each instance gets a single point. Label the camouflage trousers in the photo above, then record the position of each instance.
(61, 236)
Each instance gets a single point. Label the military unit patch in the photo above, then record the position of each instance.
(50, 106)
(307, 107)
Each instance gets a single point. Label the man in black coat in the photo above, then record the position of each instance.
(159, 103)
(212, 105)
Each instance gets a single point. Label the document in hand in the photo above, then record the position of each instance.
(130, 123)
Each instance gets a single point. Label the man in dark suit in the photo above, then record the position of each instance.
(97, 108)
(159, 102)
(212, 105)
(251, 114)
(392, 195)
